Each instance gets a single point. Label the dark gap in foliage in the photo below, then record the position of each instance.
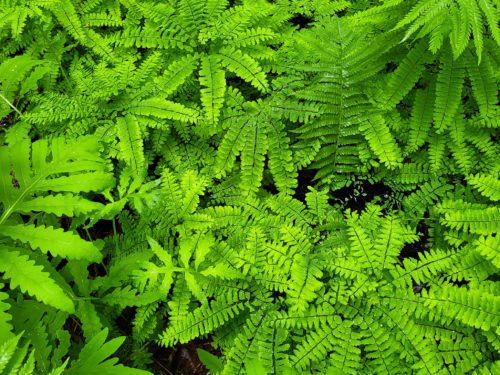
(495, 277)
(6, 121)
(249, 92)
(65, 222)
(301, 21)
(96, 270)
(305, 178)
(182, 359)
(270, 188)
(153, 165)
(124, 320)
(103, 229)
(390, 67)
(98, 198)
(26, 218)
(459, 283)
(61, 264)
(417, 288)
(342, 13)
(205, 199)
(421, 84)
(277, 294)
(411, 250)
(267, 180)
(74, 326)
(405, 107)
(357, 195)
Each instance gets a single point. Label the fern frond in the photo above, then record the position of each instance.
(448, 91)
(474, 308)
(492, 16)
(437, 152)
(467, 217)
(245, 67)
(489, 247)
(201, 321)
(382, 142)
(258, 340)
(483, 84)
(286, 205)
(175, 75)
(318, 343)
(58, 242)
(421, 119)
(5, 317)
(317, 203)
(488, 185)
(15, 358)
(280, 157)
(212, 96)
(230, 146)
(252, 159)
(405, 76)
(59, 204)
(161, 108)
(304, 283)
(131, 145)
(32, 279)
(92, 359)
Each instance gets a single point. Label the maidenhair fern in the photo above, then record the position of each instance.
(268, 187)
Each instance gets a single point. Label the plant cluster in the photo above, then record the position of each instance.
(310, 186)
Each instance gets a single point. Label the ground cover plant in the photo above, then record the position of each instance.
(249, 187)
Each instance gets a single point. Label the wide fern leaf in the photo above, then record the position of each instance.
(32, 279)
(93, 358)
(56, 241)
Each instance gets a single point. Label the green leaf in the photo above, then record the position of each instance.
(212, 95)
(405, 76)
(56, 241)
(175, 75)
(162, 108)
(32, 279)
(448, 91)
(60, 204)
(245, 67)
(59, 165)
(92, 359)
(131, 145)
(382, 142)
(252, 159)
(213, 363)
(489, 186)
(255, 367)
(5, 317)
(7, 350)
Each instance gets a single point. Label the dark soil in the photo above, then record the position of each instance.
(181, 360)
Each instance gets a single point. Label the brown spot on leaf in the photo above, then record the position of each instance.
(15, 183)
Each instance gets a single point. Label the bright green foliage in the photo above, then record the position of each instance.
(28, 171)
(91, 360)
(310, 187)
